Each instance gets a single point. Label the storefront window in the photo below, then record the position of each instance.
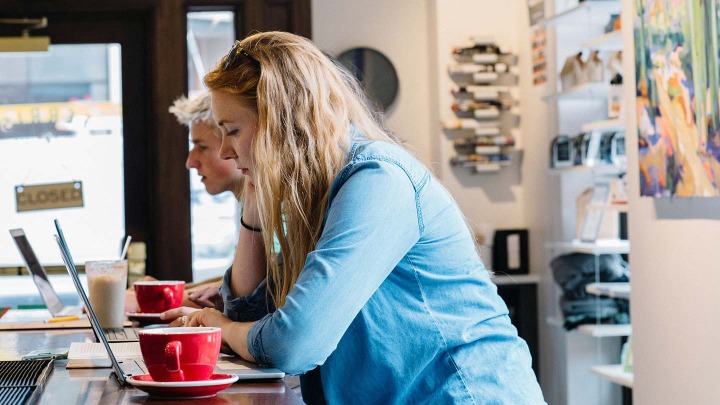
(61, 144)
(214, 218)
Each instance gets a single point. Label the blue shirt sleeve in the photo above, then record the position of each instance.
(372, 221)
(248, 308)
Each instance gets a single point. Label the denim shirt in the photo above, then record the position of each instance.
(394, 303)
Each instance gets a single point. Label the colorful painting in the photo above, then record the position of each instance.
(678, 115)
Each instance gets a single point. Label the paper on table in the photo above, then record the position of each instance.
(93, 355)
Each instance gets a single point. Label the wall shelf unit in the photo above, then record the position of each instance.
(485, 113)
(584, 90)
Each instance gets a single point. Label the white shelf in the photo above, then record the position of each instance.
(487, 150)
(606, 330)
(585, 91)
(598, 170)
(487, 167)
(502, 279)
(588, 9)
(614, 373)
(611, 41)
(612, 290)
(486, 113)
(607, 246)
(608, 207)
(604, 126)
(487, 131)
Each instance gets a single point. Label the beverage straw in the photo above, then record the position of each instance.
(125, 248)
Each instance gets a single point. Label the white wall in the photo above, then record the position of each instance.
(675, 284)
(399, 30)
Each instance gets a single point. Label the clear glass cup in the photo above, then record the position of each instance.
(107, 280)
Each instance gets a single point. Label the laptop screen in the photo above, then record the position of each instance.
(72, 270)
(48, 294)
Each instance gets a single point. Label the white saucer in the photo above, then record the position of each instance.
(183, 389)
(142, 315)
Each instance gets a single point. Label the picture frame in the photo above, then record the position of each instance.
(510, 252)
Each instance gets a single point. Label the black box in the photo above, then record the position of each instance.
(510, 252)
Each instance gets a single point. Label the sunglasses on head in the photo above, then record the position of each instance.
(234, 55)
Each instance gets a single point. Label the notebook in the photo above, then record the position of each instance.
(111, 335)
(39, 276)
(133, 364)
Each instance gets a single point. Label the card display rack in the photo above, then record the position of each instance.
(484, 112)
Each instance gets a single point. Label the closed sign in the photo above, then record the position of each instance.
(49, 196)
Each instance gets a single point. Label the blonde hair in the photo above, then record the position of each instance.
(198, 109)
(306, 106)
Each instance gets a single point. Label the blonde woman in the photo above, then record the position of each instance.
(381, 284)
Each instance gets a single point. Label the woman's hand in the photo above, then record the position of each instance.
(178, 315)
(208, 317)
(207, 298)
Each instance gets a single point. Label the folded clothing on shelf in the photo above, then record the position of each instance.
(573, 271)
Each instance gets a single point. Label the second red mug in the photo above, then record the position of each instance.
(155, 297)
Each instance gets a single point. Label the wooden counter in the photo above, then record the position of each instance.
(99, 386)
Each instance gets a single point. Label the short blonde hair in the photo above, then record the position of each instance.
(188, 111)
(307, 107)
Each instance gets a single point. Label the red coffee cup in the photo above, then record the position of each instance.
(180, 354)
(155, 297)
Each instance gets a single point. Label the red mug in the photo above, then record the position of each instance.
(180, 354)
(155, 297)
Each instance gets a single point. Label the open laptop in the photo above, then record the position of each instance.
(111, 335)
(39, 276)
(123, 370)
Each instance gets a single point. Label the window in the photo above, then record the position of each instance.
(61, 122)
(214, 218)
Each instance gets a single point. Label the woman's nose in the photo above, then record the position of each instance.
(226, 149)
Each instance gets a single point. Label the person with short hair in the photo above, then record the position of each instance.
(381, 285)
(217, 175)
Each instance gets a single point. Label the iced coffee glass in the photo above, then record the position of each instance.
(107, 280)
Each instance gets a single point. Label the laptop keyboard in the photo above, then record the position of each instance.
(120, 335)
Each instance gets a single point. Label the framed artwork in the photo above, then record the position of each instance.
(676, 48)
(510, 251)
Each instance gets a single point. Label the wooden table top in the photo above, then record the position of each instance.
(99, 386)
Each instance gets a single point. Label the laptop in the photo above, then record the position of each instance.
(111, 335)
(245, 370)
(39, 276)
